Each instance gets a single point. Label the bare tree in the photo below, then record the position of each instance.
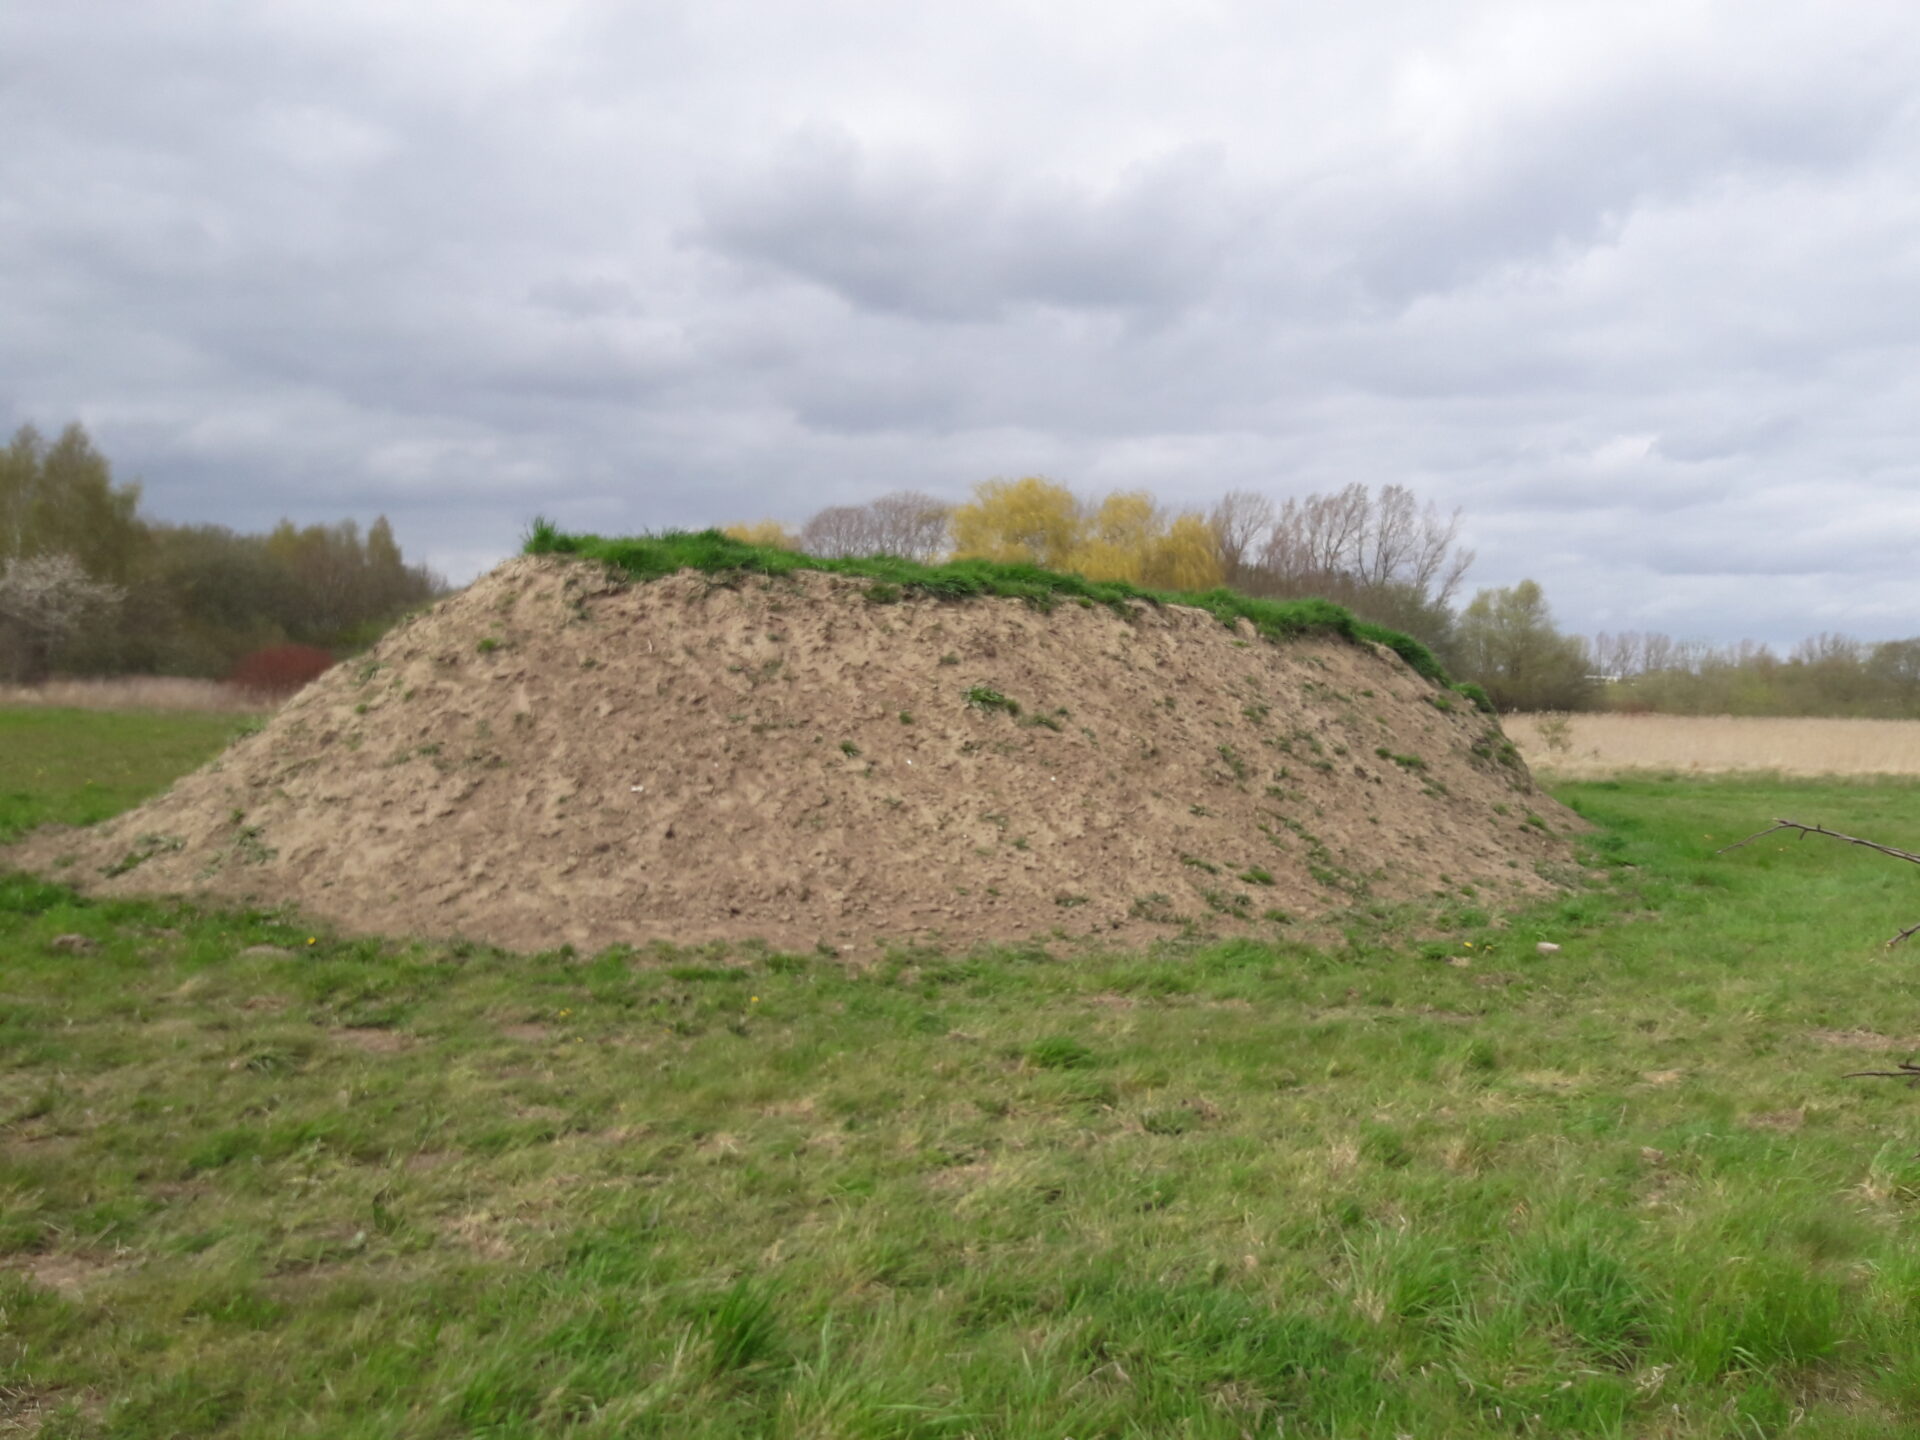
(1241, 521)
(1351, 543)
(1321, 535)
(1620, 653)
(839, 531)
(906, 523)
(1410, 545)
(911, 525)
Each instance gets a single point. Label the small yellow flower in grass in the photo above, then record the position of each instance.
(753, 1000)
(311, 940)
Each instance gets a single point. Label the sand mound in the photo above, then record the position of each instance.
(554, 756)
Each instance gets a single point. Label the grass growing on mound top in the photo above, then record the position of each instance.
(649, 557)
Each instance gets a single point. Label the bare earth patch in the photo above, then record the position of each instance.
(25, 1409)
(71, 1275)
(480, 1231)
(1865, 1040)
(554, 756)
(373, 1041)
(529, 1033)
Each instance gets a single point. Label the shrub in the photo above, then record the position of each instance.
(279, 670)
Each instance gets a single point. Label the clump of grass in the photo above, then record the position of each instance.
(1481, 700)
(144, 849)
(1060, 1052)
(648, 557)
(743, 1331)
(985, 697)
(1155, 907)
(1229, 902)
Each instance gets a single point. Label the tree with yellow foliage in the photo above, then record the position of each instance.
(1117, 537)
(771, 533)
(1033, 521)
(1185, 557)
(1124, 537)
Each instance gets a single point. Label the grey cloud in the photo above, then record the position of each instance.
(586, 298)
(904, 234)
(1635, 289)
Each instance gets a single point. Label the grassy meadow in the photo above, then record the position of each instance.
(260, 1180)
(72, 766)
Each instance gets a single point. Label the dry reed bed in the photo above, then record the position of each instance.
(134, 692)
(1601, 745)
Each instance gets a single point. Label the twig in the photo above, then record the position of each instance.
(1907, 1071)
(1906, 855)
(1806, 830)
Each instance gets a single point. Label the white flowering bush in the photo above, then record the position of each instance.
(44, 601)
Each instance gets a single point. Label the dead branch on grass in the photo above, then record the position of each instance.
(1806, 830)
(1908, 1071)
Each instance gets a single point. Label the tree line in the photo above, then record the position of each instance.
(1389, 559)
(1827, 674)
(1379, 552)
(89, 585)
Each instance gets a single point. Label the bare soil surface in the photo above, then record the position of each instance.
(554, 756)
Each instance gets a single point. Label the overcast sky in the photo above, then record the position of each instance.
(1635, 286)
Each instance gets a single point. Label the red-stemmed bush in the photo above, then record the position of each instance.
(279, 670)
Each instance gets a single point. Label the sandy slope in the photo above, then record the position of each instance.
(550, 756)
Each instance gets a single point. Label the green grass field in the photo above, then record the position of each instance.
(259, 1180)
(74, 767)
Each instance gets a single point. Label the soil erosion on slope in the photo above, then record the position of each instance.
(553, 755)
